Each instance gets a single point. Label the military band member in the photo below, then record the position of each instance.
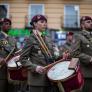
(83, 50)
(6, 45)
(86, 52)
(71, 47)
(38, 57)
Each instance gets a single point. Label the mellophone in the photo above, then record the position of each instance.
(66, 74)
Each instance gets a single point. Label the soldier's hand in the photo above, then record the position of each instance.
(2, 61)
(66, 55)
(40, 69)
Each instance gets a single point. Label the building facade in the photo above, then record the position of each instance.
(60, 13)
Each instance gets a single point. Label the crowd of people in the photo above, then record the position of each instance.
(39, 52)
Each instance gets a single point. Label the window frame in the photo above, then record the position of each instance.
(29, 11)
(78, 14)
(7, 9)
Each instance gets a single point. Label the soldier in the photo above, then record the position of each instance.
(86, 52)
(38, 58)
(71, 48)
(83, 50)
(6, 46)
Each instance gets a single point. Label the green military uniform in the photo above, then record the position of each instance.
(85, 58)
(82, 49)
(6, 45)
(38, 82)
(73, 47)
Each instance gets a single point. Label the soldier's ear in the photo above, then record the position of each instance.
(82, 26)
(35, 24)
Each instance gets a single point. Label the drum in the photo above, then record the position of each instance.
(70, 79)
(16, 70)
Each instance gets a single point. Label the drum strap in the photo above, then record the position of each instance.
(46, 52)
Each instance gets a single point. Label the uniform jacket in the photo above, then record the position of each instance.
(82, 48)
(85, 52)
(6, 45)
(37, 58)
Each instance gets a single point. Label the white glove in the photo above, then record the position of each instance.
(40, 69)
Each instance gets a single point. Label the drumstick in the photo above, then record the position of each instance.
(50, 65)
(42, 45)
(8, 56)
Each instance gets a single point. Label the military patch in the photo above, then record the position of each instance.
(3, 42)
(38, 17)
(83, 18)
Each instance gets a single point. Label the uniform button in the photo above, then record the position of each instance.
(87, 45)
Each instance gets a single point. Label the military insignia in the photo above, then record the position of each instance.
(83, 18)
(38, 17)
(3, 42)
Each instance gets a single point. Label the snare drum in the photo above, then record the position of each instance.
(70, 79)
(15, 69)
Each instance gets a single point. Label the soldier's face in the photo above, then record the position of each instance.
(6, 26)
(88, 24)
(41, 25)
(70, 37)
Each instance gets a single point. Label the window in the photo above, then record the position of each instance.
(71, 16)
(35, 9)
(60, 38)
(4, 10)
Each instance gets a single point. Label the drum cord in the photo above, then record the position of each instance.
(42, 43)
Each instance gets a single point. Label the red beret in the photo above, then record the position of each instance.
(7, 20)
(84, 18)
(36, 18)
(70, 33)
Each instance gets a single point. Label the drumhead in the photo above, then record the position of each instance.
(12, 62)
(60, 71)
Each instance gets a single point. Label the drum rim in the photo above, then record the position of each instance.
(13, 67)
(64, 78)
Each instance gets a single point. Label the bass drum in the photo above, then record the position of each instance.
(70, 79)
(15, 70)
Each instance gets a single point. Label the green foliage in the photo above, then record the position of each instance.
(19, 32)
